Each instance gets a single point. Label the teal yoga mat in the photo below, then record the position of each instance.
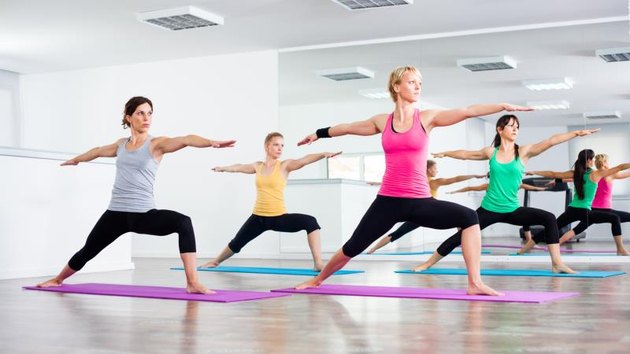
(261, 270)
(567, 254)
(416, 253)
(517, 273)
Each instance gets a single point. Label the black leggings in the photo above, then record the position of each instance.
(404, 229)
(256, 225)
(521, 217)
(385, 212)
(113, 224)
(589, 217)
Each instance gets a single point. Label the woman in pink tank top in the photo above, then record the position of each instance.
(405, 193)
(603, 195)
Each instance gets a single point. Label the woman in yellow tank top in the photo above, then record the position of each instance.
(269, 211)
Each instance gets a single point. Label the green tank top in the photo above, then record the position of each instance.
(590, 188)
(505, 180)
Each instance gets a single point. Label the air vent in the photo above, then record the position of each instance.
(370, 4)
(603, 115)
(612, 55)
(485, 64)
(344, 74)
(181, 18)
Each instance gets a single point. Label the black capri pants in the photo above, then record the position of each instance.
(256, 225)
(404, 229)
(521, 217)
(113, 224)
(588, 217)
(385, 212)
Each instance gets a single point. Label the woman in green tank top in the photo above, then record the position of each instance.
(585, 180)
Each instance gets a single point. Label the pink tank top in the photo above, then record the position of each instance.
(405, 161)
(603, 195)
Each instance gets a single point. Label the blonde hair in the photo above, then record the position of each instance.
(271, 136)
(430, 163)
(600, 159)
(396, 76)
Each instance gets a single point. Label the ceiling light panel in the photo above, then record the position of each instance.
(345, 74)
(371, 4)
(549, 84)
(488, 63)
(181, 18)
(612, 55)
(545, 105)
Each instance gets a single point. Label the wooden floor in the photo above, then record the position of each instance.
(598, 321)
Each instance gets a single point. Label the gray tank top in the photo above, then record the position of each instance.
(135, 174)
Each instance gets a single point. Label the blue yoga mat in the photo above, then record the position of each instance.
(261, 270)
(517, 272)
(416, 253)
(567, 254)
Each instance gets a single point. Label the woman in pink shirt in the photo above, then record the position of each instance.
(405, 194)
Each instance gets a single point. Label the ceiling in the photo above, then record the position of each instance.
(548, 39)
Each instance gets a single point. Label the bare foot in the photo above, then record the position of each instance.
(319, 266)
(313, 283)
(210, 264)
(421, 267)
(482, 289)
(49, 283)
(198, 288)
(623, 253)
(526, 247)
(562, 268)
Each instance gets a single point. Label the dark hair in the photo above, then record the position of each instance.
(430, 163)
(501, 123)
(579, 169)
(131, 106)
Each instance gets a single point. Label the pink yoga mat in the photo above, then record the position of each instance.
(157, 292)
(420, 293)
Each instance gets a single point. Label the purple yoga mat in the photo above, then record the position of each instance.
(562, 250)
(157, 292)
(420, 293)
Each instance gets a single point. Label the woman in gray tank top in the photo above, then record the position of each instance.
(132, 207)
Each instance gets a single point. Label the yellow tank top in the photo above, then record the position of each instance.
(433, 191)
(270, 192)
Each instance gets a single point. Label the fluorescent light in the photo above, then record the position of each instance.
(549, 84)
(611, 55)
(541, 105)
(376, 93)
(343, 74)
(485, 64)
(602, 115)
(370, 4)
(180, 18)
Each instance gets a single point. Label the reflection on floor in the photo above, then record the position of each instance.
(42, 322)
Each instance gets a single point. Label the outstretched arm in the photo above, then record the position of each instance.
(363, 128)
(164, 145)
(533, 150)
(621, 175)
(529, 187)
(292, 165)
(551, 174)
(101, 151)
(438, 182)
(483, 154)
(248, 168)
(442, 118)
(599, 174)
(479, 188)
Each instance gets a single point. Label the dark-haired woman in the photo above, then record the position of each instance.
(132, 207)
(585, 180)
(500, 204)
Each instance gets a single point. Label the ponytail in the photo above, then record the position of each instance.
(580, 169)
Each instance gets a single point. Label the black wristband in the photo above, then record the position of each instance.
(323, 132)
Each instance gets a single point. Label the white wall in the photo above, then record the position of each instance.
(43, 220)
(9, 109)
(220, 97)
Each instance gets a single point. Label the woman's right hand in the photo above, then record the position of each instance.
(71, 162)
(308, 140)
(218, 169)
(438, 155)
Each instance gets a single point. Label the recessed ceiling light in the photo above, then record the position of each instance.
(343, 74)
(611, 55)
(543, 105)
(180, 18)
(602, 115)
(370, 4)
(489, 63)
(549, 84)
(374, 93)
